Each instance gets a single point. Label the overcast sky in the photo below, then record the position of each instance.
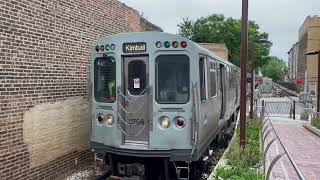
(281, 19)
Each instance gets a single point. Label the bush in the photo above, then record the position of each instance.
(315, 122)
(238, 173)
(244, 162)
(250, 156)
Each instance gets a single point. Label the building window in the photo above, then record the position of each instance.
(313, 89)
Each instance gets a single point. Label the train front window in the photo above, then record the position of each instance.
(105, 79)
(172, 79)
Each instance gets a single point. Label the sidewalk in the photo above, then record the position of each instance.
(303, 146)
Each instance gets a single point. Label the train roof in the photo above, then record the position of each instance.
(152, 35)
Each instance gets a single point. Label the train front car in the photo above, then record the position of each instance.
(145, 111)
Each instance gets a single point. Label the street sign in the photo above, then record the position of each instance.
(136, 83)
(299, 81)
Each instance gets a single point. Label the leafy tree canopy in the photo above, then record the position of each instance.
(218, 29)
(275, 69)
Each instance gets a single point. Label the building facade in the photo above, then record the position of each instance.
(300, 66)
(219, 48)
(45, 49)
(293, 64)
(309, 40)
(148, 26)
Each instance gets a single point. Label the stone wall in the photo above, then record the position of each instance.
(44, 53)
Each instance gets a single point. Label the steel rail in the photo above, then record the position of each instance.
(287, 93)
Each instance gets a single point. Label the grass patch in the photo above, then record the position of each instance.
(315, 122)
(238, 173)
(244, 163)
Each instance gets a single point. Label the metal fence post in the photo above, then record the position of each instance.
(262, 109)
(294, 109)
(290, 116)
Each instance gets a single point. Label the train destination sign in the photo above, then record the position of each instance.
(134, 47)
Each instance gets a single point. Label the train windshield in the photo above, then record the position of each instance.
(104, 79)
(172, 79)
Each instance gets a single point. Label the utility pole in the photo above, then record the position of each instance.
(318, 88)
(244, 49)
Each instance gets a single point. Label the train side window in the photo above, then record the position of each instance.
(230, 77)
(203, 78)
(172, 79)
(105, 79)
(213, 79)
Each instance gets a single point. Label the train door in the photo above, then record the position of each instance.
(215, 108)
(222, 80)
(204, 105)
(135, 109)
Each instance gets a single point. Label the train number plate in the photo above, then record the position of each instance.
(139, 122)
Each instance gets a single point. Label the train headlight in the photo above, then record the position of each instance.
(109, 119)
(180, 122)
(100, 119)
(164, 122)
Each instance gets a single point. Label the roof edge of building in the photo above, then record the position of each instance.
(151, 24)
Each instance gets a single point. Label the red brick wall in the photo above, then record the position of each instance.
(44, 52)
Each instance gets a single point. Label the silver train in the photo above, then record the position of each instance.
(158, 102)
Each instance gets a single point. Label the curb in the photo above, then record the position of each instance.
(312, 129)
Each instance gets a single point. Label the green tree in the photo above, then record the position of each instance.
(276, 69)
(218, 29)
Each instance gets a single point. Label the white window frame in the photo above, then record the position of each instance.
(213, 69)
(313, 86)
(205, 78)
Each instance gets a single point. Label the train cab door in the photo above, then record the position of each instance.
(222, 80)
(135, 102)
